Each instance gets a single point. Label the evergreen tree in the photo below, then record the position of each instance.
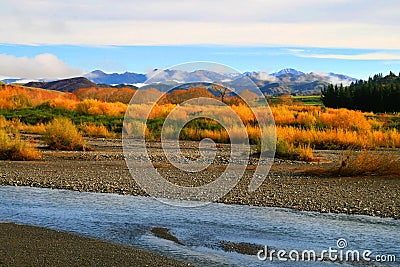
(377, 94)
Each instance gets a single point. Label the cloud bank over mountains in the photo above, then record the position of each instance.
(42, 66)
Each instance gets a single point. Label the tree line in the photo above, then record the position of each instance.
(377, 94)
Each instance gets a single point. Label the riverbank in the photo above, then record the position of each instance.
(23, 245)
(104, 170)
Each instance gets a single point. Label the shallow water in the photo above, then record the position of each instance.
(129, 219)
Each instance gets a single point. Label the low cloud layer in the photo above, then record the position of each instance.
(46, 66)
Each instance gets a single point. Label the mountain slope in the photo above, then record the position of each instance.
(65, 85)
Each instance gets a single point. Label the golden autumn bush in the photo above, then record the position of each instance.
(96, 107)
(13, 148)
(62, 134)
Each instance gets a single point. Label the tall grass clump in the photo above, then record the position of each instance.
(62, 134)
(287, 150)
(16, 149)
(368, 163)
(38, 128)
(362, 163)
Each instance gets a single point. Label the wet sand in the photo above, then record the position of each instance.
(23, 245)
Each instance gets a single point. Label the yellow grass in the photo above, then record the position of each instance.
(39, 128)
(339, 138)
(362, 163)
(92, 130)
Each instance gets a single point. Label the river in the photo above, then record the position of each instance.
(128, 220)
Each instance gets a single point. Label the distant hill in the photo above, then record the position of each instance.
(65, 85)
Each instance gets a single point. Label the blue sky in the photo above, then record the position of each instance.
(58, 39)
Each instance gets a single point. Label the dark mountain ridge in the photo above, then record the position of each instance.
(65, 85)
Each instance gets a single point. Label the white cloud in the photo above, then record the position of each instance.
(266, 77)
(203, 33)
(330, 23)
(365, 56)
(41, 66)
(333, 79)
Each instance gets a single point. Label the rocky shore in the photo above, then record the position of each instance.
(104, 170)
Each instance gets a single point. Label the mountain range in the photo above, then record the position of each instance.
(286, 81)
(99, 77)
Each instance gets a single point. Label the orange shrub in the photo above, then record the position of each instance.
(345, 119)
(15, 96)
(244, 112)
(161, 111)
(95, 107)
(69, 104)
(282, 115)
